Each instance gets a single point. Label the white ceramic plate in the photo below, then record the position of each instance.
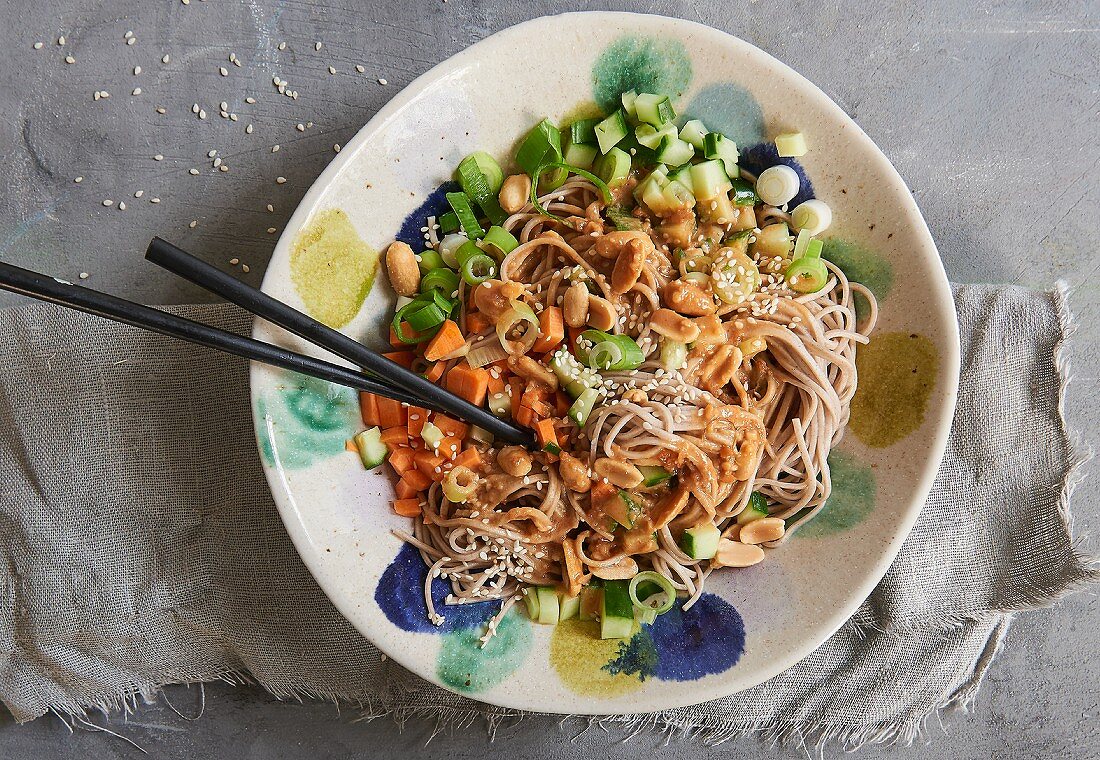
(755, 622)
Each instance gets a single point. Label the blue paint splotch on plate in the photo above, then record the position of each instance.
(637, 656)
(400, 595)
(757, 158)
(708, 638)
(434, 205)
(730, 109)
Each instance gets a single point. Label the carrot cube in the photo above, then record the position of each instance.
(416, 479)
(407, 507)
(368, 408)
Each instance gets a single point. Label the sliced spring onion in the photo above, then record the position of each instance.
(791, 144)
(401, 325)
(673, 354)
(752, 346)
(653, 475)
(702, 279)
(541, 145)
(813, 215)
(661, 601)
(610, 352)
(613, 165)
(743, 193)
(599, 183)
(426, 317)
(583, 131)
(441, 279)
(777, 185)
(694, 132)
(489, 167)
(693, 262)
(449, 246)
(460, 483)
(477, 269)
(460, 202)
(611, 131)
(448, 223)
(467, 250)
(486, 354)
(500, 404)
(518, 315)
(807, 275)
(499, 242)
(432, 435)
(479, 187)
(802, 244)
(430, 260)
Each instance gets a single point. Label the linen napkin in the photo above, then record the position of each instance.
(141, 547)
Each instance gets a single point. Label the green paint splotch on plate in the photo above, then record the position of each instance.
(897, 371)
(852, 498)
(332, 268)
(642, 64)
(464, 665)
(730, 109)
(579, 657)
(303, 420)
(862, 265)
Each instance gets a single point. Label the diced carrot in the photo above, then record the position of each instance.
(435, 372)
(427, 461)
(407, 507)
(525, 416)
(404, 490)
(449, 447)
(368, 408)
(417, 479)
(394, 340)
(404, 358)
(450, 426)
(545, 434)
(417, 419)
(516, 386)
(495, 382)
(470, 457)
(574, 333)
(561, 404)
(476, 322)
(401, 459)
(470, 383)
(390, 413)
(396, 436)
(448, 339)
(551, 330)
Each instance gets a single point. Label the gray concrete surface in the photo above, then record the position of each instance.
(988, 109)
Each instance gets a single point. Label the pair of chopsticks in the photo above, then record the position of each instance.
(382, 377)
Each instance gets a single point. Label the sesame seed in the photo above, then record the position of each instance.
(217, 162)
(131, 41)
(336, 147)
(137, 70)
(300, 127)
(248, 129)
(331, 70)
(137, 91)
(244, 268)
(154, 200)
(270, 207)
(282, 46)
(122, 205)
(158, 157)
(193, 224)
(359, 68)
(274, 148)
(192, 171)
(164, 58)
(38, 46)
(139, 193)
(280, 180)
(250, 100)
(317, 46)
(223, 106)
(69, 59)
(202, 114)
(382, 81)
(234, 262)
(107, 202)
(223, 71)
(83, 275)
(270, 230)
(61, 40)
(223, 168)
(78, 180)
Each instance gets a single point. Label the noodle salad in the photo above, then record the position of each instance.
(667, 328)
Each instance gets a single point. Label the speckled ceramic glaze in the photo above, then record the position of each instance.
(752, 623)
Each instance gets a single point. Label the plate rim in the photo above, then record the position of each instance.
(948, 371)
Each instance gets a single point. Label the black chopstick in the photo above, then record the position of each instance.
(46, 288)
(251, 299)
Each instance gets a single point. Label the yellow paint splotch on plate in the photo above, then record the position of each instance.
(579, 657)
(897, 372)
(332, 268)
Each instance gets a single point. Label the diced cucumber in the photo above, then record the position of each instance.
(591, 601)
(694, 132)
(581, 155)
(569, 370)
(568, 607)
(651, 137)
(613, 165)
(673, 354)
(531, 597)
(709, 179)
(628, 99)
(616, 611)
(790, 145)
(701, 542)
(678, 195)
(719, 209)
(653, 476)
(623, 509)
(481, 434)
(722, 148)
(500, 404)
(774, 240)
(682, 175)
(756, 509)
(432, 435)
(674, 151)
(654, 109)
(582, 407)
(372, 450)
(744, 194)
(651, 192)
(548, 605)
(583, 131)
(611, 130)
(622, 219)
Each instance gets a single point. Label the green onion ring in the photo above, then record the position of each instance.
(605, 191)
(669, 593)
(477, 269)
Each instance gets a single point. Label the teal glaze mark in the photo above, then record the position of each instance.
(861, 265)
(730, 109)
(637, 657)
(465, 665)
(304, 420)
(642, 64)
(852, 498)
